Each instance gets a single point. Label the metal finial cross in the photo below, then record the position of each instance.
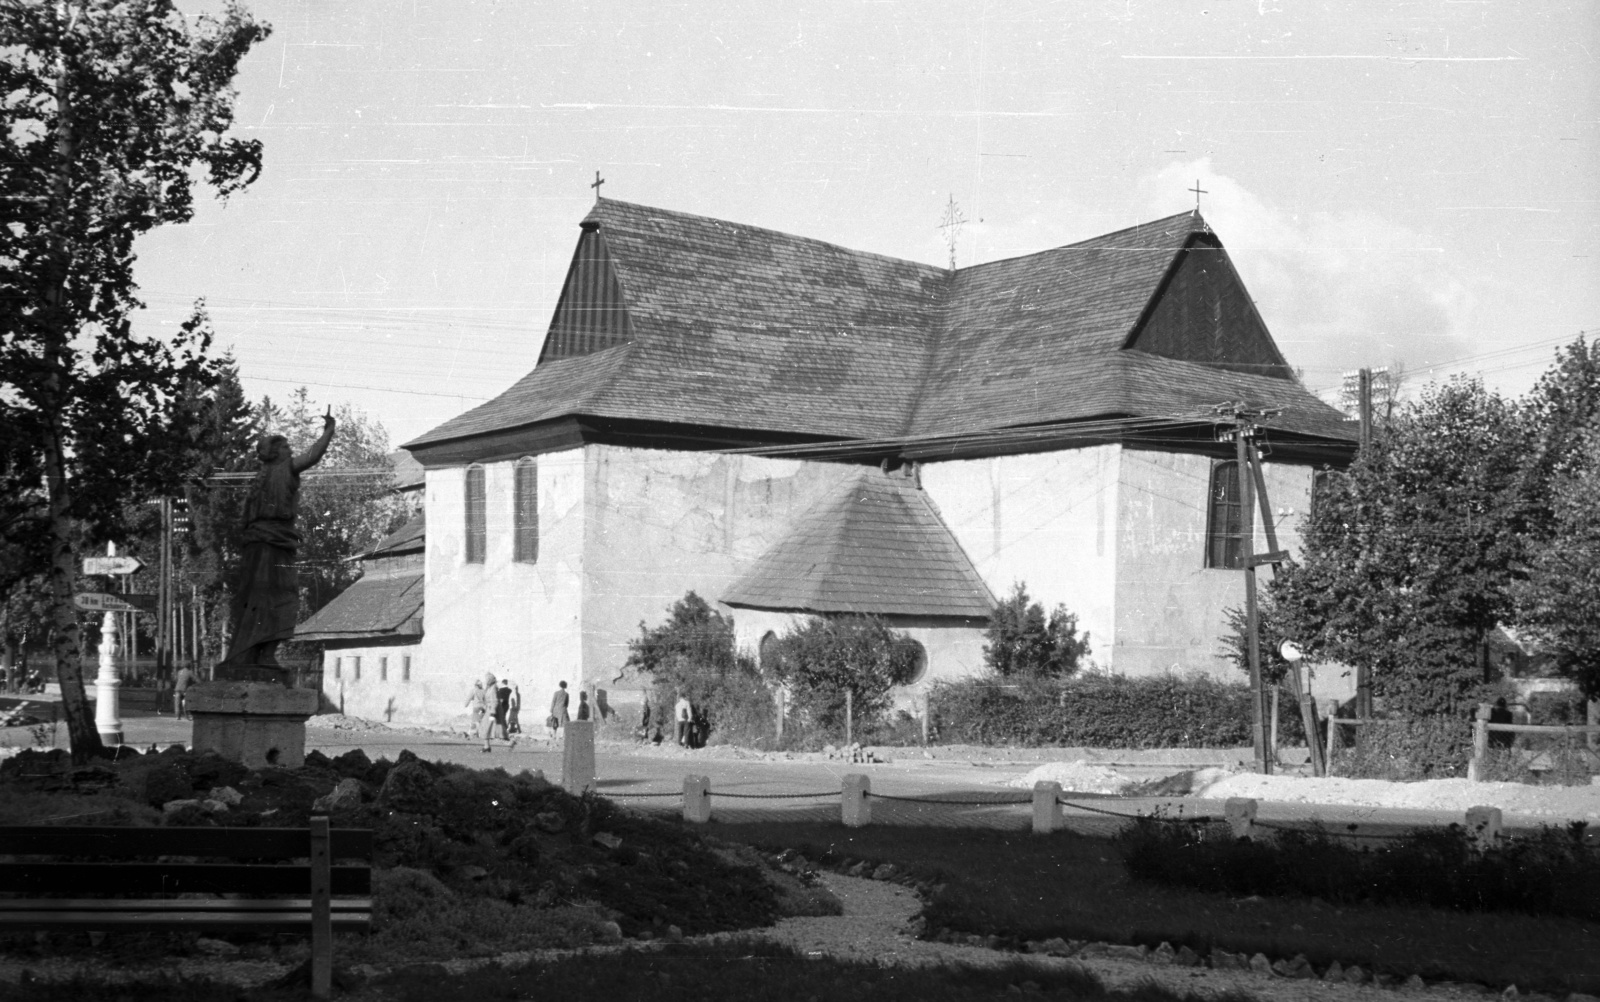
(951, 225)
(598, 181)
(1198, 191)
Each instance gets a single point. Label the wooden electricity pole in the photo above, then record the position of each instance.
(1364, 673)
(1242, 430)
(1301, 692)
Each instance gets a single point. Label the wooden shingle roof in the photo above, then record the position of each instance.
(734, 326)
(371, 608)
(877, 546)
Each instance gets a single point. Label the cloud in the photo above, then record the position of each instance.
(1338, 290)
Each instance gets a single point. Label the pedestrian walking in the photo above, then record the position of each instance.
(583, 705)
(180, 692)
(558, 711)
(514, 710)
(502, 709)
(478, 707)
(683, 713)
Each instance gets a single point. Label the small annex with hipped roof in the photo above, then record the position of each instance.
(708, 390)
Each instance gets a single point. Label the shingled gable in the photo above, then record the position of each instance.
(789, 339)
(386, 601)
(875, 546)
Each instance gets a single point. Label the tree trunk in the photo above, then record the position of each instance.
(81, 730)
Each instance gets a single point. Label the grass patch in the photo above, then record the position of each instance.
(1021, 886)
(736, 970)
(1551, 873)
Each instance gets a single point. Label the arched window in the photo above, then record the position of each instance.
(1225, 528)
(476, 506)
(768, 651)
(526, 514)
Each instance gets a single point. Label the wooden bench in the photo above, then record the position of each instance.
(88, 864)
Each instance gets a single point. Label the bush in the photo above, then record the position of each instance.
(1022, 643)
(822, 659)
(1437, 747)
(1553, 873)
(692, 654)
(1102, 711)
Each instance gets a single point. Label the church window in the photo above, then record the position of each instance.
(476, 530)
(338, 667)
(526, 544)
(405, 668)
(383, 669)
(355, 668)
(1225, 531)
(917, 664)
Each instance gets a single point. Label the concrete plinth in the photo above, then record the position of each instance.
(577, 756)
(254, 723)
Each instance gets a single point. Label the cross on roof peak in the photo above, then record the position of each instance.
(598, 181)
(1198, 191)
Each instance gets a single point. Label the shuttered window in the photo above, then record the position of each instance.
(1225, 531)
(526, 545)
(476, 508)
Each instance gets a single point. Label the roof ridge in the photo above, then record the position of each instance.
(1099, 239)
(935, 269)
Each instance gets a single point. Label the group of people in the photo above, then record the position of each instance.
(495, 706)
(689, 722)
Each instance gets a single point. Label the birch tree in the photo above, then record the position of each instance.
(111, 113)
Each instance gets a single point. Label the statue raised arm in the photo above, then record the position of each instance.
(266, 598)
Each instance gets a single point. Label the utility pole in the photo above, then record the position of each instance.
(1301, 692)
(1363, 672)
(164, 594)
(1244, 427)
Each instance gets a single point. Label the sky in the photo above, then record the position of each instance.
(1412, 184)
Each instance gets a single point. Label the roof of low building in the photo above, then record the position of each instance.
(409, 538)
(677, 318)
(875, 545)
(374, 607)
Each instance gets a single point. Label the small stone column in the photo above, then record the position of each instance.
(855, 810)
(1241, 815)
(1483, 825)
(257, 724)
(107, 685)
(697, 799)
(577, 756)
(1046, 807)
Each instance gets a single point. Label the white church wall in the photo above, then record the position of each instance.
(661, 523)
(1047, 520)
(518, 620)
(1171, 608)
(373, 680)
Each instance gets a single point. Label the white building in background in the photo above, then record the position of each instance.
(791, 428)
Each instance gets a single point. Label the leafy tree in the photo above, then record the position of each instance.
(107, 110)
(825, 657)
(696, 640)
(1022, 642)
(1410, 555)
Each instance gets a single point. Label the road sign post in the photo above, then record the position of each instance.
(112, 565)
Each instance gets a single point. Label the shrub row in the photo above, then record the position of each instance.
(1103, 711)
(1552, 873)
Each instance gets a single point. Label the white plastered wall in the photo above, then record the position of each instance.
(1047, 520)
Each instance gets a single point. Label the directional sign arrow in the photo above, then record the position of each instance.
(95, 601)
(112, 565)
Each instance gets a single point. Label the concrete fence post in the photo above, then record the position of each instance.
(1480, 744)
(1241, 815)
(1593, 720)
(577, 756)
(855, 810)
(697, 799)
(1483, 825)
(1046, 807)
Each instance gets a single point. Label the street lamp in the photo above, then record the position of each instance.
(1290, 652)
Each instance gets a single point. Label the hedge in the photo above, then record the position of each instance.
(1104, 711)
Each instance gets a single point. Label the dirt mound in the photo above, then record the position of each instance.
(517, 841)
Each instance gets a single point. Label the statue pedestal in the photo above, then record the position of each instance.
(254, 723)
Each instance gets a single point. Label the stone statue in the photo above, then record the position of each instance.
(267, 598)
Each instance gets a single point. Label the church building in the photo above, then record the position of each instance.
(792, 428)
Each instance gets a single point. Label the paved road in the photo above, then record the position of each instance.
(652, 779)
